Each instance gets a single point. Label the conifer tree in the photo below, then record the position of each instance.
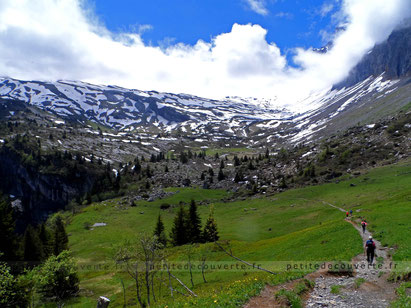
(32, 246)
(178, 233)
(137, 166)
(238, 176)
(60, 236)
(159, 232)
(221, 175)
(193, 224)
(46, 240)
(210, 232)
(8, 240)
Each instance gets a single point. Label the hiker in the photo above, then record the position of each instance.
(370, 248)
(350, 212)
(363, 225)
(346, 214)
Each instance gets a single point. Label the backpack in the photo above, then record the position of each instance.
(370, 244)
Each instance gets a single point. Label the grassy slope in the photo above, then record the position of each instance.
(303, 228)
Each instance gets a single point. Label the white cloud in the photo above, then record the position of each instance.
(258, 6)
(56, 39)
(326, 8)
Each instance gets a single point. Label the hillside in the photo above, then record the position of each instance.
(261, 230)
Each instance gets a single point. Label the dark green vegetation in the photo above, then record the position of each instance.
(404, 299)
(269, 205)
(293, 225)
(292, 297)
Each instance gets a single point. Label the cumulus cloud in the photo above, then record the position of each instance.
(258, 6)
(59, 39)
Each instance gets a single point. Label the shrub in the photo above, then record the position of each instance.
(57, 278)
(165, 206)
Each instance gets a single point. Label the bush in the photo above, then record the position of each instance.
(404, 300)
(57, 278)
(12, 290)
(165, 206)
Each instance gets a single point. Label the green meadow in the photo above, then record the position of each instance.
(295, 225)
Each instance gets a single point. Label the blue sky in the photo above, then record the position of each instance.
(290, 23)
(210, 48)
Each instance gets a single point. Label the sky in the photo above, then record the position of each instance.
(212, 48)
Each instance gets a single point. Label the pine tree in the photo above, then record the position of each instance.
(60, 236)
(137, 166)
(221, 175)
(178, 233)
(193, 224)
(183, 158)
(8, 240)
(236, 161)
(238, 176)
(32, 246)
(210, 233)
(159, 232)
(283, 184)
(46, 240)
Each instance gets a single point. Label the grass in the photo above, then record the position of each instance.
(292, 298)
(292, 226)
(336, 289)
(358, 282)
(404, 300)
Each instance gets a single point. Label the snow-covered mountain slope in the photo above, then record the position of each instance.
(247, 118)
(126, 109)
(336, 110)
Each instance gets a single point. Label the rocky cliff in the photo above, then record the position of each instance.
(41, 193)
(392, 57)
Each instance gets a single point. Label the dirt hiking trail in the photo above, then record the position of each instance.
(368, 287)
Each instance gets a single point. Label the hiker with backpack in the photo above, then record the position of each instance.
(370, 249)
(363, 225)
(346, 214)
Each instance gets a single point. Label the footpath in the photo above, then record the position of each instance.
(367, 287)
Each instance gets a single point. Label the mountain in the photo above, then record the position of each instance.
(378, 86)
(392, 57)
(126, 109)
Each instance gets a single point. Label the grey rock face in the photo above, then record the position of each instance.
(392, 57)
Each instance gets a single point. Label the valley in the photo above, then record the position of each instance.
(158, 199)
